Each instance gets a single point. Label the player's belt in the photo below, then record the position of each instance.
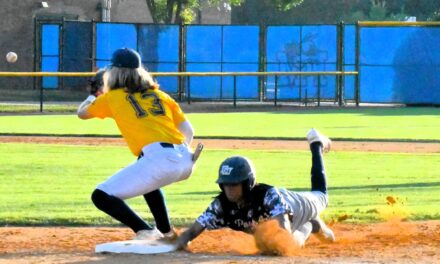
(166, 145)
(163, 144)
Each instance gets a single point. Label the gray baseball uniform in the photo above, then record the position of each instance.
(268, 202)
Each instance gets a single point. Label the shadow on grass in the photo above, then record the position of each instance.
(391, 186)
(377, 111)
(355, 187)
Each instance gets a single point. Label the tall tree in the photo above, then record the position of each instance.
(399, 9)
(334, 11)
(423, 9)
(184, 11)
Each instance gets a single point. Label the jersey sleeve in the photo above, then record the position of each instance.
(100, 107)
(178, 115)
(275, 203)
(212, 217)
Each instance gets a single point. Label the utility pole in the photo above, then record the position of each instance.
(106, 7)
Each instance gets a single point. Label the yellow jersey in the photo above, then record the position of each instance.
(142, 118)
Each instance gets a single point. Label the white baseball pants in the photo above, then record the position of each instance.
(159, 166)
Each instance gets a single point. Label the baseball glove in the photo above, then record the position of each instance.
(96, 83)
(197, 152)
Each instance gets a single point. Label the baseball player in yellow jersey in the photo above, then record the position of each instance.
(156, 131)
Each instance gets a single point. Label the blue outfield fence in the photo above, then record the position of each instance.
(159, 49)
(77, 56)
(50, 54)
(110, 37)
(400, 64)
(304, 49)
(396, 64)
(222, 49)
(349, 59)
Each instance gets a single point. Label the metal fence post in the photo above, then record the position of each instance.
(34, 79)
(300, 62)
(93, 48)
(262, 62)
(182, 57)
(41, 97)
(319, 90)
(235, 90)
(306, 98)
(40, 59)
(188, 89)
(357, 62)
(276, 89)
(340, 64)
(61, 53)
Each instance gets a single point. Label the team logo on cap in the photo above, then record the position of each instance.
(226, 170)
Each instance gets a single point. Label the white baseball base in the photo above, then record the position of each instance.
(136, 247)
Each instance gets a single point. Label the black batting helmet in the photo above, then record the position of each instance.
(237, 169)
(126, 58)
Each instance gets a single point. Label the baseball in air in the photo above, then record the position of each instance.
(11, 57)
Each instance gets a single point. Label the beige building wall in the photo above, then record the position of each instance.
(131, 11)
(17, 31)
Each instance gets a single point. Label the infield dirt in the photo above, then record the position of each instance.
(390, 242)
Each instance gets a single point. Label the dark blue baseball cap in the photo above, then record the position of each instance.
(126, 58)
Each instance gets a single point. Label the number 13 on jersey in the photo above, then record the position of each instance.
(153, 107)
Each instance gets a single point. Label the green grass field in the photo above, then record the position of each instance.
(51, 184)
(406, 124)
(35, 108)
